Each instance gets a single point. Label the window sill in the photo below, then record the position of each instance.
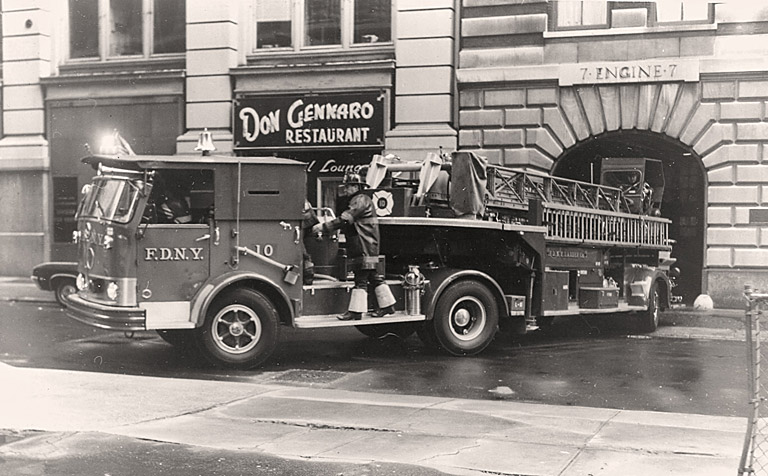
(322, 55)
(610, 32)
(123, 65)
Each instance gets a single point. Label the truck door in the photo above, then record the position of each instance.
(173, 261)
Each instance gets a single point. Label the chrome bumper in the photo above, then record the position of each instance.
(112, 318)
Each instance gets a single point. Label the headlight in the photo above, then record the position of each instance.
(107, 243)
(113, 290)
(75, 236)
(80, 282)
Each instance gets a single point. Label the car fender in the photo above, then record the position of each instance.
(214, 287)
(439, 279)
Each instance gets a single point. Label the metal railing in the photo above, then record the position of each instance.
(574, 225)
(754, 457)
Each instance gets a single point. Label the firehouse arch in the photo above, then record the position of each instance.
(684, 196)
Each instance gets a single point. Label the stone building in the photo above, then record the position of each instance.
(161, 71)
(548, 85)
(555, 86)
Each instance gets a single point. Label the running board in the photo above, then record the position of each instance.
(325, 320)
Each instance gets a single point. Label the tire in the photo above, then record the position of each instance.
(240, 331)
(181, 338)
(649, 319)
(402, 330)
(466, 318)
(63, 288)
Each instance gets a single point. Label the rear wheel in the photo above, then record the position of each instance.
(241, 330)
(466, 318)
(649, 319)
(402, 330)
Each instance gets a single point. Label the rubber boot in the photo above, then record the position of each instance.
(358, 304)
(385, 300)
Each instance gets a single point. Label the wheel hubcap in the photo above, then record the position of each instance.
(468, 318)
(236, 329)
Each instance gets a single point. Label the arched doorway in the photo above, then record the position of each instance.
(684, 199)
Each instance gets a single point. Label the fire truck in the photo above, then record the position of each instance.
(466, 247)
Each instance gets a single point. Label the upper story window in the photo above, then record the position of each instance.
(574, 14)
(101, 29)
(593, 14)
(298, 24)
(685, 11)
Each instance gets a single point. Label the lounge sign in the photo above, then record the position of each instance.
(302, 121)
(629, 72)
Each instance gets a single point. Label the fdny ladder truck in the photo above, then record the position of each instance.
(466, 247)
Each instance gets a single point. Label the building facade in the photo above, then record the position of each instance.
(556, 86)
(547, 85)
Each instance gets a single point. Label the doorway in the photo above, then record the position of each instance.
(684, 199)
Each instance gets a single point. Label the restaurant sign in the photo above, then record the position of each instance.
(629, 72)
(303, 121)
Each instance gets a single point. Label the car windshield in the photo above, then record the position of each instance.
(110, 199)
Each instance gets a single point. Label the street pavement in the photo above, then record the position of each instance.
(454, 436)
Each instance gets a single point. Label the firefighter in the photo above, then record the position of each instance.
(360, 226)
(175, 208)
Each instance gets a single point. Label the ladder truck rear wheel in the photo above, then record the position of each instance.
(466, 318)
(649, 319)
(240, 331)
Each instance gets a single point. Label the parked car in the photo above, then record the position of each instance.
(56, 276)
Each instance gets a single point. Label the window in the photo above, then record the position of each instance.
(100, 29)
(589, 13)
(83, 37)
(321, 23)
(125, 28)
(373, 20)
(674, 11)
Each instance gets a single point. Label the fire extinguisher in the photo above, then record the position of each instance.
(413, 285)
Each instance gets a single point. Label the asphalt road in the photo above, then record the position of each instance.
(594, 363)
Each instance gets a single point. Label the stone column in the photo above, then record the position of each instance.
(212, 49)
(24, 154)
(424, 87)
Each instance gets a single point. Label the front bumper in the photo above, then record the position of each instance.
(112, 318)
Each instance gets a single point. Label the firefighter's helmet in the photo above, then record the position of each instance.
(351, 178)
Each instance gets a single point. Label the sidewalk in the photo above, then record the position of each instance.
(466, 437)
(450, 435)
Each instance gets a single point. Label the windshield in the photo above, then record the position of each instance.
(111, 199)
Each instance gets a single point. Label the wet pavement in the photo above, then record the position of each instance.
(337, 398)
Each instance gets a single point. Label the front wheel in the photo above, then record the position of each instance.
(466, 318)
(649, 319)
(240, 331)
